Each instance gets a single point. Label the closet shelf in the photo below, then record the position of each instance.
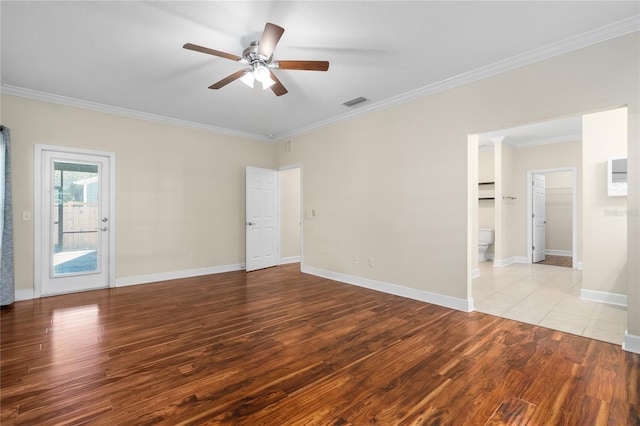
(486, 183)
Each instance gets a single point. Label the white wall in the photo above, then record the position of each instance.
(559, 211)
(290, 213)
(506, 206)
(632, 340)
(472, 211)
(605, 248)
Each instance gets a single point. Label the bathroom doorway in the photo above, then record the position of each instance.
(509, 158)
(513, 286)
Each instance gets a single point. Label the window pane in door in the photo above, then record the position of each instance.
(75, 218)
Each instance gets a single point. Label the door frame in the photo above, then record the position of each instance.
(39, 232)
(574, 211)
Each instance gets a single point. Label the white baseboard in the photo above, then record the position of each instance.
(27, 294)
(465, 305)
(186, 273)
(501, 263)
(290, 259)
(631, 343)
(475, 273)
(551, 252)
(603, 297)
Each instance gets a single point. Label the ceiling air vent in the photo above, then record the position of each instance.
(354, 102)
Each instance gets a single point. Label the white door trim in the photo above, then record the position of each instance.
(574, 220)
(38, 233)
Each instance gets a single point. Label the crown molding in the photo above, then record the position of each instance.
(608, 32)
(94, 106)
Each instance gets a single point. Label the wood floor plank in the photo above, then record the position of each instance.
(623, 413)
(278, 347)
(513, 411)
(552, 260)
(585, 410)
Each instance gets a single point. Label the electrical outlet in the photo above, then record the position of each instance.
(371, 262)
(355, 260)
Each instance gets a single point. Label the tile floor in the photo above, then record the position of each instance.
(548, 296)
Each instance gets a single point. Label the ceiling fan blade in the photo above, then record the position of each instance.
(270, 37)
(278, 88)
(212, 52)
(236, 75)
(303, 65)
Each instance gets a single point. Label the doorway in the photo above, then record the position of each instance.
(552, 229)
(273, 217)
(553, 297)
(290, 178)
(75, 216)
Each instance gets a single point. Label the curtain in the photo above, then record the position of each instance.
(7, 291)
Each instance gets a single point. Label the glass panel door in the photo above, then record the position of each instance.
(76, 202)
(76, 218)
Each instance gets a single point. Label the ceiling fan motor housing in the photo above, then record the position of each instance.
(251, 55)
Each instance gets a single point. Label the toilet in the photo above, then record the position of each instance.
(485, 238)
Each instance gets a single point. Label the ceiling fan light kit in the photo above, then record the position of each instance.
(259, 73)
(262, 74)
(248, 78)
(259, 57)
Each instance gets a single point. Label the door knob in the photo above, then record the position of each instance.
(103, 228)
(104, 219)
(251, 223)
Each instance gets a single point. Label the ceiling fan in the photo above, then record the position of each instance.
(259, 58)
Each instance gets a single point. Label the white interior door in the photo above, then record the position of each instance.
(74, 222)
(538, 218)
(262, 222)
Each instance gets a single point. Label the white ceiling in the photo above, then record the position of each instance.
(127, 56)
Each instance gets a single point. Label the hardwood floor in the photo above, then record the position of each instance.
(278, 347)
(564, 261)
